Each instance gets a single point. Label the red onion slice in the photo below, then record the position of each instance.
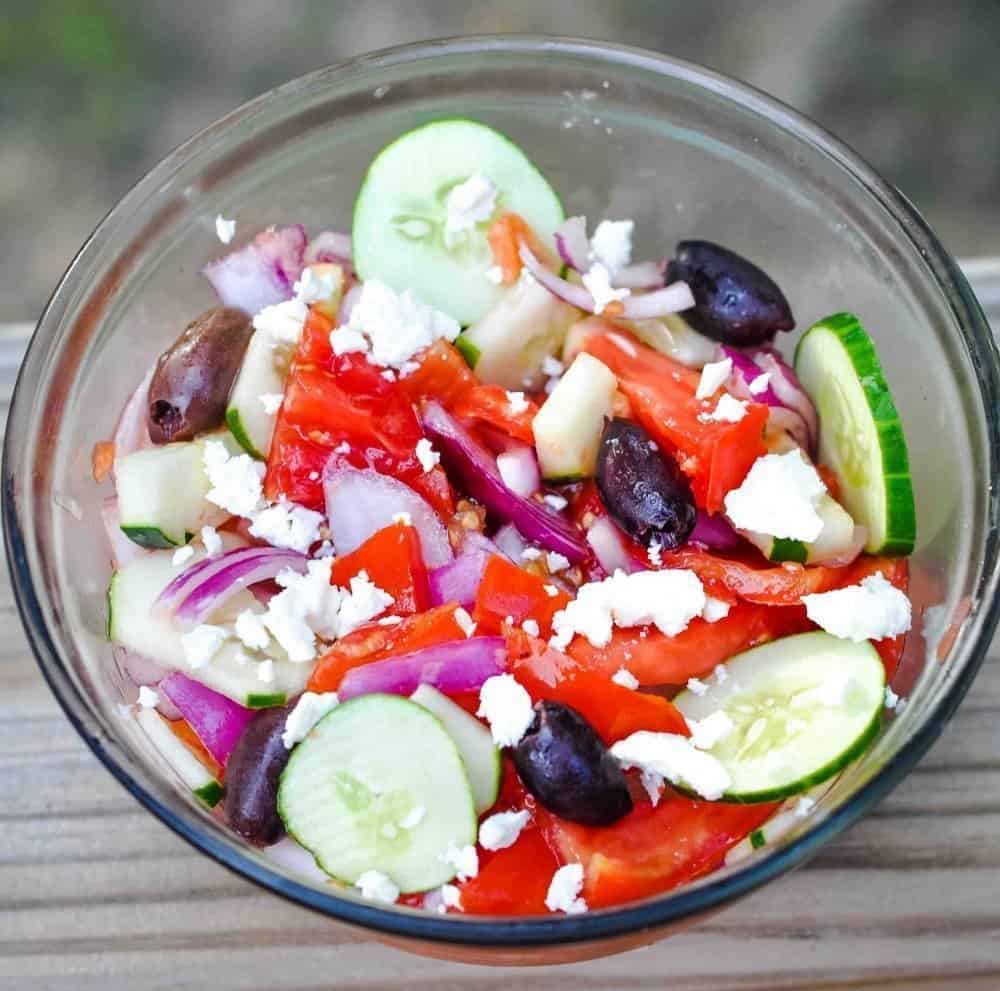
(641, 275)
(519, 470)
(329, 246)
(360, 502)
(572, 243)
(789, 391)
(477, 472)
(745, 371)
(459, 666)
(715, 532)
(139, 668)
(132, 432)
(510, 543)
(608, 545)
(459, 580)
(218, 721)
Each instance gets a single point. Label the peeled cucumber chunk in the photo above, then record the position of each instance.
(379, 785)
(184, 764)
(474, 741)
(514, 337)
(802, 708)
(861, 436)
(568, 426)
(399, 232)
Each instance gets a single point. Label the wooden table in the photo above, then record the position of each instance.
(97, 895)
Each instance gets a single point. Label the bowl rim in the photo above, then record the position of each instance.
(658, 911)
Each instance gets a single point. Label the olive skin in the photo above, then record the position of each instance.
(252, 775)
(564, 764)
(191, 383)
(735, 302)
(643, 487)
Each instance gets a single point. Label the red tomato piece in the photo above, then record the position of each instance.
(507, 590)
(715, 456)
(897, 571)
(491, 404)
(374, 642)
(652, 850)
(442, 375)
(393, 561)
(513, 881)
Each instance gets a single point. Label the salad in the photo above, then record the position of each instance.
(468, 562)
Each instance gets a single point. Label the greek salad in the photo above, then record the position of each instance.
(467, 562)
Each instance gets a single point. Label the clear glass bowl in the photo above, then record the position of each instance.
(619, 132)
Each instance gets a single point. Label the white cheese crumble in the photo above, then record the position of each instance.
(148, 699)
(182, 555)
(377, 887)
(307, 605)
(779, 497)
(391, 327)
(426, 454)
(715, 609)
(713, 729)
(315, 286)
(597, 281)
(728, 409)
(551, 367)
(502, 829)
(286, 524)
(516, 402)
(225, 230)
(530, 627)
(675, 759)
(236, 481)
(309, 710)
(469, 203)
(251, 631)
(564, 890)
(413, 818)
(403, 518)
(721, 674)
(451, 897)
(464, 859)
(891, 698)
(625, 678)
(611, 244)
(531, 553)
(265, 671)
(271, 401)
(201, 644)
(211, 540)
(804, 806)
(873, 610)
(556, 562)
(506, 706)
(551, 591)
(760, 383)
(668, 599)
(696, 686)
(390, 621)
(364, 602)
(282, 322)
(464, 621)
(556, 502)
(655, 554)
(713, 377)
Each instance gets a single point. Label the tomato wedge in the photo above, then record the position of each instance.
(613, 710)
(392, 560)
(374, 642)
(652, 850)
(491, 404)
(442, 374)
(509, 591)
(715, 456)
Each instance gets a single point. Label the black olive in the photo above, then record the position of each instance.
(643, 487)
(735, 302)
(564, 764)
(190, 387)
(252, 772)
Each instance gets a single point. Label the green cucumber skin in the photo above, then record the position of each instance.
(467, 350)
(211, 793)
(757, 839)
(264, 701)
(899, 500)
(150, 537)
(236, 428)
(784, 549)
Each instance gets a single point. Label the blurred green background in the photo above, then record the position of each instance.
(94, 92)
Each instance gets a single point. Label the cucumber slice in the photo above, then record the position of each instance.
(134, 624)
(185, 765)
(568, 426)
(161, 494)
(835, 539)
(474, 741)
(524, 327)
(399, 216)
(673, 336)
(802, 707)
(363, 769)
(861, 437)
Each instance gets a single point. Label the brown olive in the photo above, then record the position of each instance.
(252, 773)
(643, 487)
(191, 383)
(564, 764)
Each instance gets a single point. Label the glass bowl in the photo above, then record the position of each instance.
(621, 133)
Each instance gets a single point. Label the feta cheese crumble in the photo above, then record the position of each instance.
(713, 377)
(282, 323)
(804, 806)
(404, 518)
(873, 610)
(464, 859)
(201, 644)
(530, 627)
(564, 890)
(451, 897)
(464, 621)
(556, 562)
(469, 203)
(391, 327)
(182, 555)
(307, 605)
(891, 698)
(502, 829)
(551, 591)
(506, 706)
(316, 285)
(728, 409)
(760, 383)
(611, 244)
(364, 602)
(211, 540)
(779, 497)
(225, 230)
(426, 454)
(597, 281)
(148, 699)
(552, 367)
(309, 710)
(713, 729)
(696, 686)
(516, 402)
(377, 887)
(286, 524)
(236, 481)
(251, 631)
(531, 553)
(556, 502)
(668, 599)
(655, 554)
(715, 609)
(625, 678)
(271, 401)
(675, 759)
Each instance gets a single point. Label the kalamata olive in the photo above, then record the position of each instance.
(735, 302)
(643, 487)
(189, 389)
(252, 772)
(564, 764)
